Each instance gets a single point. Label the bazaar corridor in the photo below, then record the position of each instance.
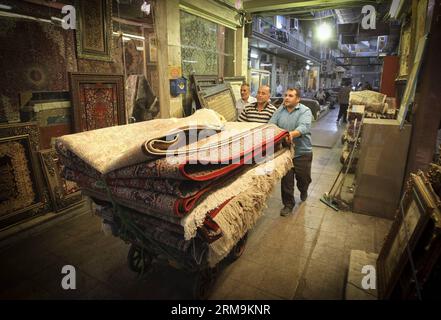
(302, 256)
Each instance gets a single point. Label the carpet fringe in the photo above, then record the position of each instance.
(249, 181)
(249, 194)
(243, 212)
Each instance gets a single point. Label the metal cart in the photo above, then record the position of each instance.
(145, 250)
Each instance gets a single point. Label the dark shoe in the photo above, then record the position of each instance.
(286, 211)
(304, 195)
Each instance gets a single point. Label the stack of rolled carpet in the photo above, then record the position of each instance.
(178, 180)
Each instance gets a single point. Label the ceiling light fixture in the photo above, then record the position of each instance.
(324, 32)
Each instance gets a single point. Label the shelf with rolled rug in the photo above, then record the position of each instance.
(378, 171)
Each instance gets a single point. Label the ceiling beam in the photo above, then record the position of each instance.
(272, 5)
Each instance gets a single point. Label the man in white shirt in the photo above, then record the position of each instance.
(279, 90)
(321, 96)
(245, 100)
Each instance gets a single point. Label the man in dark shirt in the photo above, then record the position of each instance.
(343, 101)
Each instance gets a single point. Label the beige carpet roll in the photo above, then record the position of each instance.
(111, 148)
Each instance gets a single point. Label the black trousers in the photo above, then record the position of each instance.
(302, 174)
(342, 111)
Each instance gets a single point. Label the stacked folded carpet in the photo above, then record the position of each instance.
(180, 179)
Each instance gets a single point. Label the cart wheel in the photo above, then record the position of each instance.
(238, 249)
(139, 260)
(204, 283)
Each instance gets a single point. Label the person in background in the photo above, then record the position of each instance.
(245, 99)
(310, 94)
(331, 98)
(260, 111)
(296, 118)
(307, 93)
(279, 90)
(321, 96)
(343, 101)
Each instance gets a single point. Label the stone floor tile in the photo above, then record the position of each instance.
(259, 254)
(301, 233)
(222, 288)
(103, 292)
(244, 291)
(281, 282)
(247, 271)
(335, 239)
(25, 289)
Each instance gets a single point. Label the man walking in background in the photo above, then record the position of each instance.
(343, 101)
(279, 90)
(296, 118)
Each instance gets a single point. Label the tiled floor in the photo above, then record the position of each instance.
(302, 256)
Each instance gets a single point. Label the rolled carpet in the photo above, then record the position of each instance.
(257, 178)
(207, 159)
(112, 148)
